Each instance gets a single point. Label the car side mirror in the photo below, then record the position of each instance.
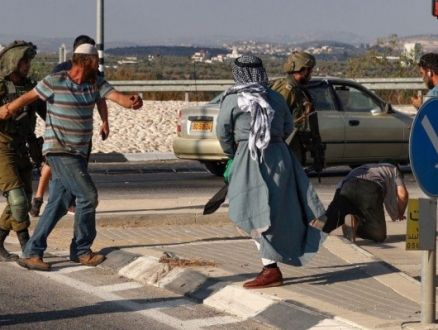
(388, 108)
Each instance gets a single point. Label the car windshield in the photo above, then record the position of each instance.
(322, 97)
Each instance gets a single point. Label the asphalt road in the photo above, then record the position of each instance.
(153, 180)
(96, 298)
(78, 297)
(186, 178)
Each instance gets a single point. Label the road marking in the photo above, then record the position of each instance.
(332, 324)
(430, 133)
(150, 310)
(71, 269)
(121, 286)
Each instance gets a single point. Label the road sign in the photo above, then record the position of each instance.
(423, 147)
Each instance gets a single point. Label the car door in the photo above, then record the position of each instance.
(370, 132)
(330, 119)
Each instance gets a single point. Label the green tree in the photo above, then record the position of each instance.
(386, 59)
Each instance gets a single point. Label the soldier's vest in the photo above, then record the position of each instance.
(285, 88)
(8, 93)
(280, 85)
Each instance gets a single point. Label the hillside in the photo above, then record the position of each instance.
(163, 51)
(216, 44)
(429, 42)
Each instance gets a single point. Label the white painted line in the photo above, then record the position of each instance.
(329, 324)
(121, 286)
(238, 301)
(72, 269)
(148, 310)
(60, 253)
(212, 321)
(430, 133)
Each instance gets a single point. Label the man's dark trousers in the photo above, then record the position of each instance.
(364, 199)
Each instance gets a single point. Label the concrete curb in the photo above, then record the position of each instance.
(255, 305)
(147, 220)
(221, 295)
(194, 284)
(116, 157)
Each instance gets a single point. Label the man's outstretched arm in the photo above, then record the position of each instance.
(9, 109)
(127, 101)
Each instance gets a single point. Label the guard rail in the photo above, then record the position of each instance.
(188, 86)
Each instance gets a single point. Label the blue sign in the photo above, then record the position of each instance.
(423, 147)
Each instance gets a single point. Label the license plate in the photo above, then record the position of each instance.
(202, 126)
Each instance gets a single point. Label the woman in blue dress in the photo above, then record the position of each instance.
(270, 195)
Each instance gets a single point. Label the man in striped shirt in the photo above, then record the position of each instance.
(71, 96)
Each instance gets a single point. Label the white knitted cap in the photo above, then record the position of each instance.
(86, 49)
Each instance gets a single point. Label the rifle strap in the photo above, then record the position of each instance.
(12, 91)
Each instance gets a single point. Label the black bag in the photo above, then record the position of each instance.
(216, 201)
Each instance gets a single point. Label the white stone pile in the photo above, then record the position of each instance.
(149, 129)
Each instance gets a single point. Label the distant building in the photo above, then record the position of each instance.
(127, 62)
(201, 56)
(411, 50)
(235, 53)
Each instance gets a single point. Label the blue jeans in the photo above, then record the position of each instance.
(69, 177)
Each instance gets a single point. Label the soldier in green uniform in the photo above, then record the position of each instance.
(299, 67)
(16, 138)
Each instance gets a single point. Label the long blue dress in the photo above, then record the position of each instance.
(274, 200)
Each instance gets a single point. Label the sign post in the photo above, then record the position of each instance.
(423, 153)
(100, 34)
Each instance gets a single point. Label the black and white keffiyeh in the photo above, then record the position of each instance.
(249, 69)
(251, 93)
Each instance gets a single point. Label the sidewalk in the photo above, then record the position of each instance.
(360, 285)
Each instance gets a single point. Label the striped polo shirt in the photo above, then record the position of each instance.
(69, 120)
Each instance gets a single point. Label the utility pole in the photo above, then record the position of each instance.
(100, 35)
(62, 53)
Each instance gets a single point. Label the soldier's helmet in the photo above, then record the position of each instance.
(299, 60)
(13, 53)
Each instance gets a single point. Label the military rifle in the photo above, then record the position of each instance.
(311, 139)
(317, 147)
(33, 145)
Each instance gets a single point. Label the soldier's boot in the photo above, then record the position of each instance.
(4, 254)
(23, 237)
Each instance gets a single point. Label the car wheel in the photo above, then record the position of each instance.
(216, 168)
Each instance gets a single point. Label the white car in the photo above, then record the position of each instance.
(356, 125)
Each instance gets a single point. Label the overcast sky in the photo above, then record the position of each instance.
(142, 20)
